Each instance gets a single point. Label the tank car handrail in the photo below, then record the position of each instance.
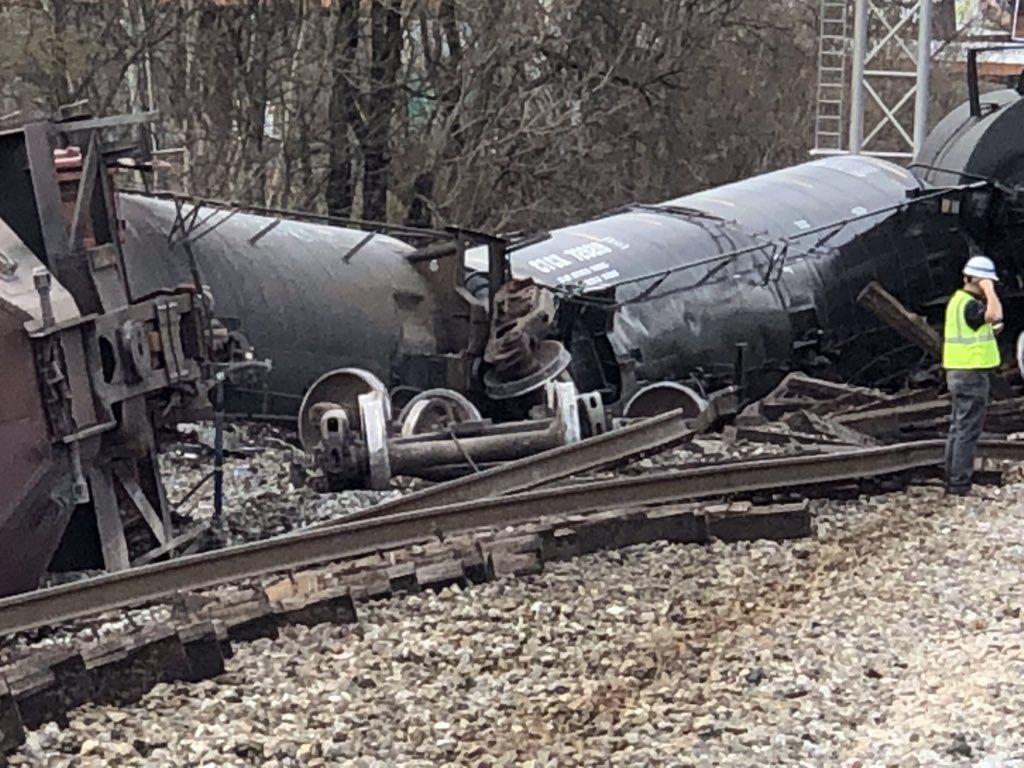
(676, 210)
(571, 293)
(284, 213)
(940, 169)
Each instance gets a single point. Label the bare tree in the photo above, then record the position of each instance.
(343, 113)
(518, 114)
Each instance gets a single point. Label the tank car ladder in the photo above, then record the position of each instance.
(833, 41)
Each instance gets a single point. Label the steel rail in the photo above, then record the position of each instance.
(656, 433)
(305, 548)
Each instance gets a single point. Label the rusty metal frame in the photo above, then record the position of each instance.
(108, 519)
(80, 406)
(138, 498)
(179, 367)
(83, 201)
(39, 143)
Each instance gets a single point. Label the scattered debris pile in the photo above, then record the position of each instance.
(807, 411)
(264, 497)
(187, 638)
(261, 496)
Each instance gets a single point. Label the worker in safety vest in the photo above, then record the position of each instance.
(974, 316)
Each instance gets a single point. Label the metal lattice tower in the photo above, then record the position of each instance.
(833, 41)
(890, 54)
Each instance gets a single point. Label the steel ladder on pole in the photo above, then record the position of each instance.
(832, 44)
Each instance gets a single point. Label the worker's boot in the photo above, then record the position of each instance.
(972, 492)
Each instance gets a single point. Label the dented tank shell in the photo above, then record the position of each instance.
(968, 147)
(299, 292)
(965, 147)
(789, 290)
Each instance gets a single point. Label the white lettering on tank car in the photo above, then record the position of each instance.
(550, 263)
(587, 251)
(616, 242)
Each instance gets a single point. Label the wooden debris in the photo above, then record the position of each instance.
(296, 585)
(203, 650)
(71, 678)
(785, 437)
(372, 584)
(35, 693)
(911, 327)
(800, 385)
(514, 556)
(441, 574)
(890, 421)
(402, 577)
(799, 392)
(12, 730)
(123, 672)
(909, 397)
(501, 563)
(933, 415)
(811, 423)
(249, 621)
(776, 522)
(334, 606)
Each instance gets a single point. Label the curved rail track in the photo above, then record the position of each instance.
(386, 531)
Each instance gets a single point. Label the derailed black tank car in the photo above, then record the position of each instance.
(648, 293)
(983, 141)
(774, 263)
(308, 296)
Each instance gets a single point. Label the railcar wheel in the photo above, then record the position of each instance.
(434, 410)
(662, 397)
(372, 412)
(341, 388)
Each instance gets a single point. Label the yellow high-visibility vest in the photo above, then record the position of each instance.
(964, 348)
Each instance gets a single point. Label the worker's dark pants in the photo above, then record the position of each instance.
(970, 399)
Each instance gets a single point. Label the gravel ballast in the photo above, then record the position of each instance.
(894, 637)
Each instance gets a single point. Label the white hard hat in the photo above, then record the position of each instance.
(981, 267)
